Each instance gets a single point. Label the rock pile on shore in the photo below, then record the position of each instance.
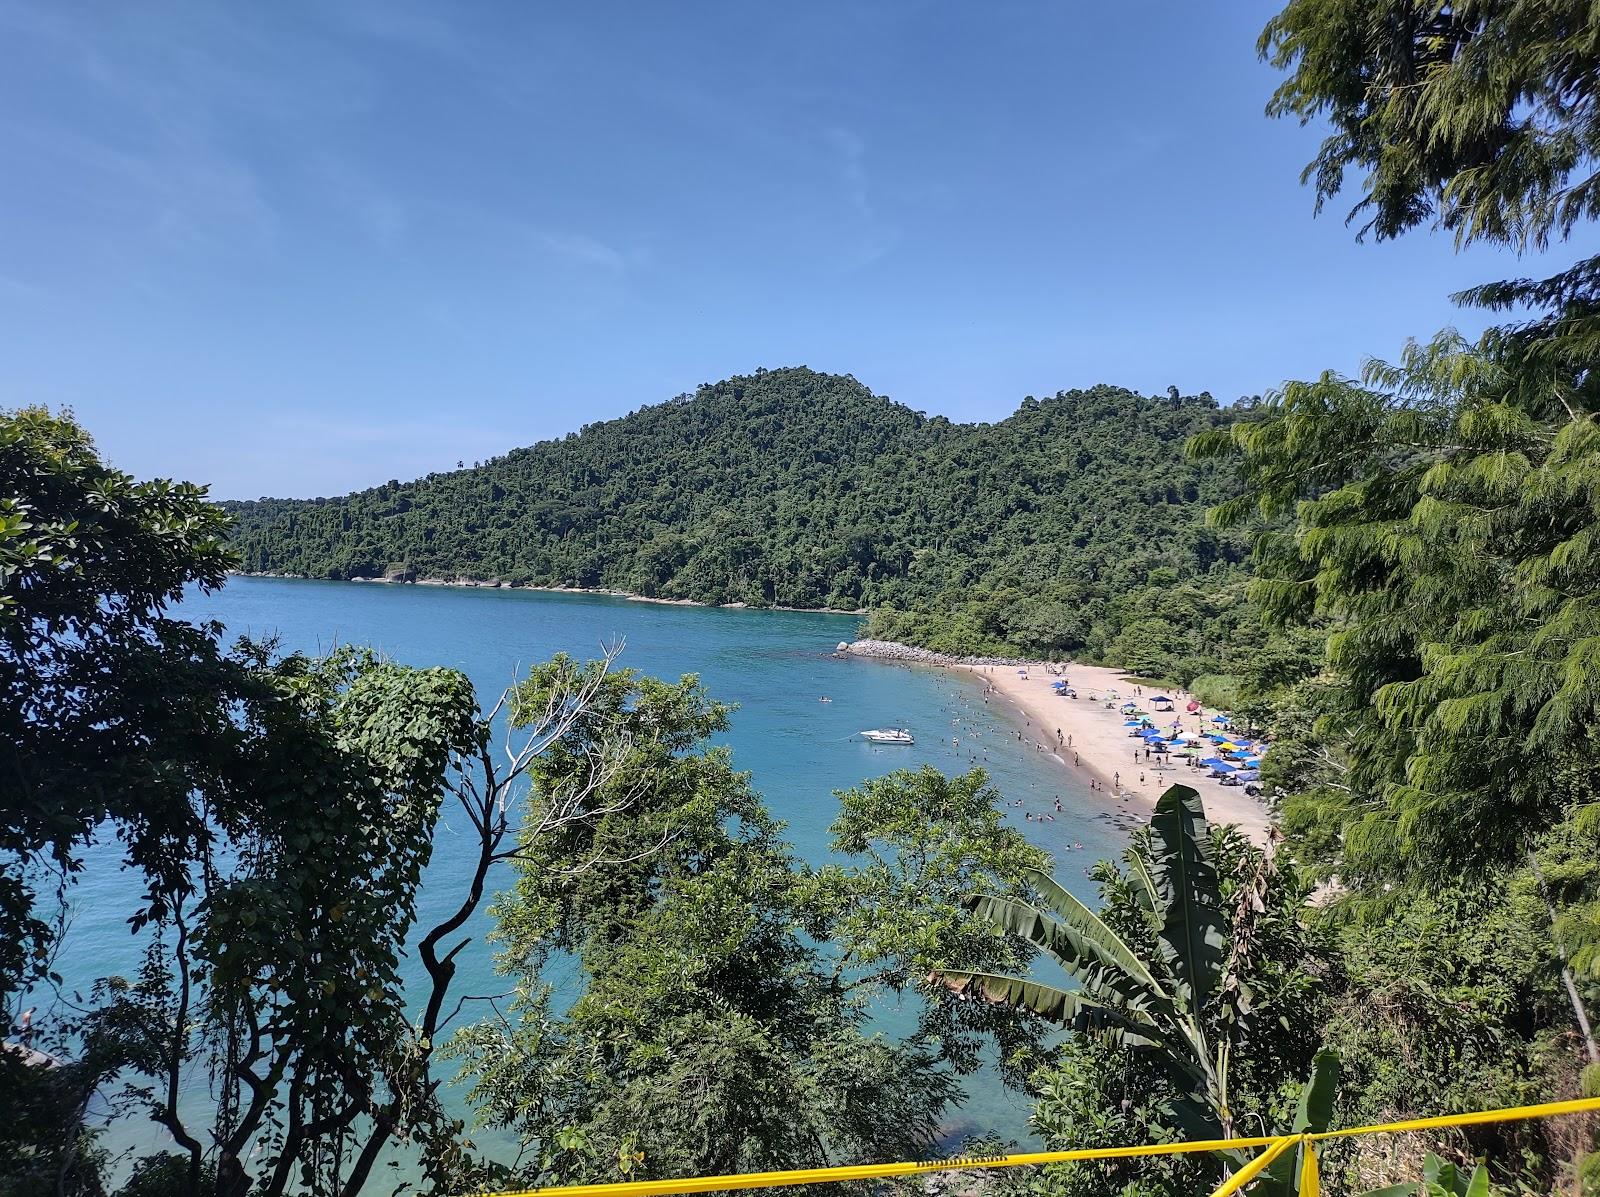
(888, 650)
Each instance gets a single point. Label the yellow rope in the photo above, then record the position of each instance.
(1275, 1146)
(1255, 1167)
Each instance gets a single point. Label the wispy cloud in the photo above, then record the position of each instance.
(587, 251)
(872, 236)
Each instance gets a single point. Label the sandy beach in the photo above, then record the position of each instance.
(1093, 741)
(1101, 743)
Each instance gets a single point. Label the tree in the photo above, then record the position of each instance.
(1445, 526)
(108, 707)
(722, 1020)
(279, 813)
(1189, 979)
(1478, 116)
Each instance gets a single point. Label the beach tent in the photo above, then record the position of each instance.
(1161, 702)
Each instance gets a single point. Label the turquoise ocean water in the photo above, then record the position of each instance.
(774, 665)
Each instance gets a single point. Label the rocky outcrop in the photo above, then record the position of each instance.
(889, 650)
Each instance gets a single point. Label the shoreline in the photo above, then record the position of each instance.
(605, 592)
(1100, 742)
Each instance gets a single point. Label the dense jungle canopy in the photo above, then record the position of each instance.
(793, 488)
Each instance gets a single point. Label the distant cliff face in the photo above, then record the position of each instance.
(789, 487)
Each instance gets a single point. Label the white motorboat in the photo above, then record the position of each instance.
(889, 735)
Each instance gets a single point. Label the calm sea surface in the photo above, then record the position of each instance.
(774, 665)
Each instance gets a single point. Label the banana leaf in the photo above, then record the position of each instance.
(1129, 1027)
(1192, 943)
(1086, 948)
(1312, 1116)
(1075, 914)
(1073, 1011)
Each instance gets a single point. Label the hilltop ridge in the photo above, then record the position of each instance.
(795, 488)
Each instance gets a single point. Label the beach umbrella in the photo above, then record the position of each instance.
(1192, 707)
(1221, 767)
(1213, 762)
(1132, 722)
(1252, 762)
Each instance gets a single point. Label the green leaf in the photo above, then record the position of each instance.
(1312, 1116)
(1083, 945)
(1192, 942)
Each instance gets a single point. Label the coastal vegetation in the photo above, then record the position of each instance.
(1055, 531)
(1397, 575)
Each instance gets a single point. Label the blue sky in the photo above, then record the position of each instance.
(297, 248)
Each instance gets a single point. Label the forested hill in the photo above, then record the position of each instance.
(794, 488)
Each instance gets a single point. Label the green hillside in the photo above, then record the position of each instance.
(794, 488)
